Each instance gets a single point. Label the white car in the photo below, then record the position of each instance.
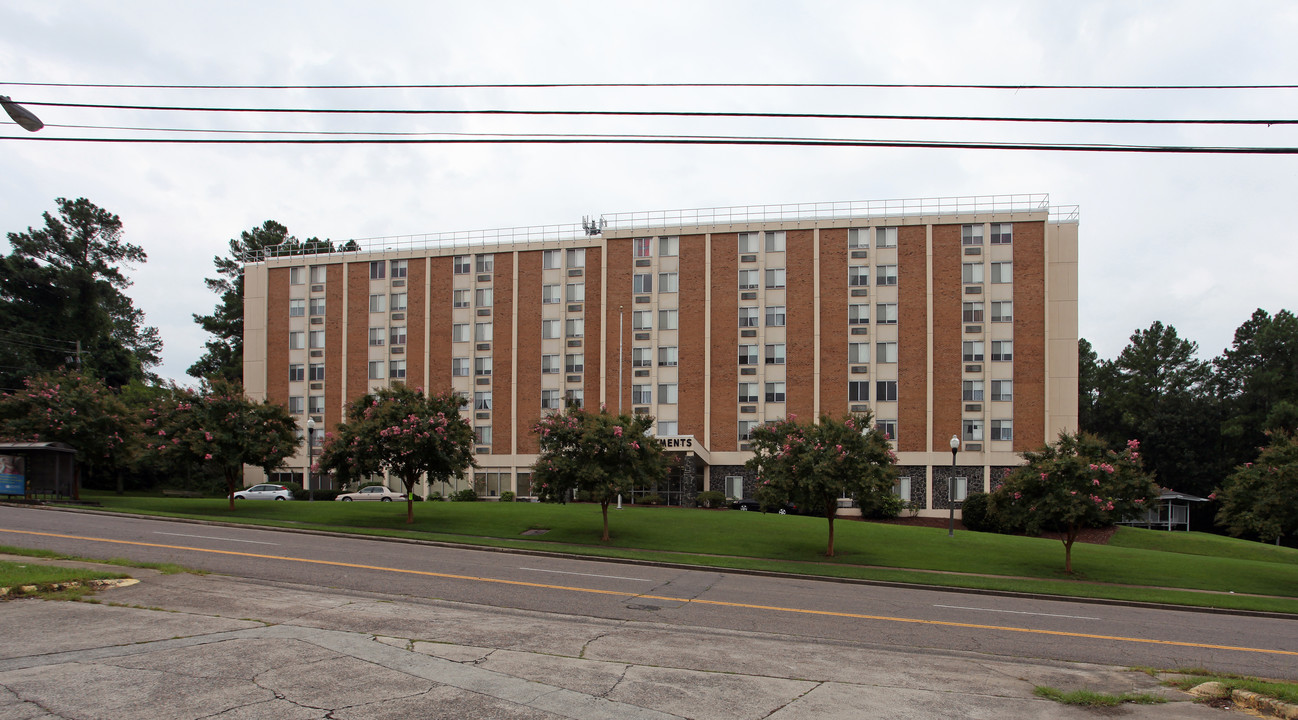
(265, 491)
(373, 492)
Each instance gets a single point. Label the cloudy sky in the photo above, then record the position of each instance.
(1196, 241)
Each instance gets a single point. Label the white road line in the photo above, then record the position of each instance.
(209, 537)
(561, 572)
(1018, 612)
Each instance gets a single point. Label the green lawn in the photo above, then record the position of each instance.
(16, 573)
(1135, 559)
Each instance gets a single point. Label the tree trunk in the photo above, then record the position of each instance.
(410, 498)
(1069, 536)
(229, 487)
(603, 505)
(830, 512)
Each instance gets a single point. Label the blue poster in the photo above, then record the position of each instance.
(12, 480)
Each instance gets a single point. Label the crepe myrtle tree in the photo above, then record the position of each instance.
(815, 464)
(1261, 498)
(1073, 483)
(598, 453)
(405, 432)
(219, 425)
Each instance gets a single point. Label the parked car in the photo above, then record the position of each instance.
(750, 504)
(264, 491)
(373, 492)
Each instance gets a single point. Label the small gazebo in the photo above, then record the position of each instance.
(39, 470)
(1171, 511)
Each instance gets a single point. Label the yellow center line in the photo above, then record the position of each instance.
(695, 601)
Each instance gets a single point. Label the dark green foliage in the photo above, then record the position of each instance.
(882, 506)
(1261, 498)
(650, 499)
(507, 496)
(710, 499)
(435, 496)
(1258, 380)
(464, 495)
(978, 516)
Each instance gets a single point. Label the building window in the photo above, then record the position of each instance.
(315, 372)
(398, 302)
(668, 282)
(574, 397)
(576, 257)
(377, 268)
(482, 297)
(885, 275)
(667, 356)
(460, 332)
(774, 241)
(858, 353)
(549, 364)
(377, 335)
(973, 391)
(885, 237)
(668, 319)
(971, 234)
(295, 339)
(774, 316)
(888, 429)
(748, 242)
(642, 320)
(748, 392)
(316, 339)
(317, 306)
(296, 308)
(376, 369)
(858, 391)
(482, 400)
(858, 275)
(296, 276)
(667, 428)
(1002, 390)
(858, 238)
(1002, 311)
(295, 404)
(398, 335)
(971, 273)
(460, 298)
(549, 329)
(886, 352)
(549, 399)
(378, 303)
(1002, 350)
(885, 390)
(973, 350)
(482, 366)
(1002, 233)
(643, 247)
(315, 404)
(482, 332)
(397, 369)
(774, 392)
(482, 434)
(642, 283)
(462, 266)
(973, 430)
(973, 312)
(747, 317)
(747, 279)
(774, 278)
(885, 313)
(550, 295)
(669, 246)
(574, 363)
(296, 372)
(641, 394)
(1002, 430)
(747, 354)
(642, 357)
(550, 260)
(574, 327)
(460, 367)
(666, 393)
(858, 314)
(485, 263)
(746, 428)
(775, 354)
(317, 274)
(400, 268)
(1002, 272)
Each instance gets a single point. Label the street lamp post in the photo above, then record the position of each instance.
(950, 487)
(310, 452)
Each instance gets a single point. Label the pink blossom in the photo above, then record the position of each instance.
(1212, 496)
(617, 431)
(1133, 444)
(207, 456)
(1096, 481)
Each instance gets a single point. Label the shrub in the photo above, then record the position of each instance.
(324, 495)
(507, 496)
(435, 496)
(465, 495)
(882, 506)
(651, 499)
(977, 515)
(710, 499)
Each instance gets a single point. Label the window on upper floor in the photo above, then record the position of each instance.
(574, 363)
(463, 265)
(774, 392)
(550, 295)
(484, 263)
(858, 238)
(858, 391)
(668, 282)
(858, 275)
(1002, 350)
(377, 268)
(885, 314)
(642, 283)
(973, 350)
(775, 354)
(576, 257)
(858, 353)
(774, 241)
(642, 357)
(296, 308)
(642, 394)
(858, 314)
(642, 320)
(1002, 272)
(971, 273)
(885, 275)
(669, 246)
(398, 335)
(378, 303)
(317, 306)
(748, 392)
(482, 297)
(885, 390)
(400, 268)
(668, 319)
(1002, 430)
(667, 356)
(971, 234)
(747, 354)
(460, 298)
(885, 237)
(747, 279)
(775, 316)
(748, 242)
(973, 391)
(296, 276)
(973, 312)
(549, 364)
(460, 367)
(577, 292)
(642, 247)
(1002, 233)
(748, 317)
(1002, 311)
(550, 259)
(774, 278)
(296, 372)
(666, 393)
(1002, 390)
(885, 352)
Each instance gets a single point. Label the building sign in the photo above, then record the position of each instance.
(12, 479)
(680, 442)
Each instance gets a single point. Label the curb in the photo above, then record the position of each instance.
(1249, 699)
(22, 590)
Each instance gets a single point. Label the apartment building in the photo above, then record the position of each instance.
(943, 316)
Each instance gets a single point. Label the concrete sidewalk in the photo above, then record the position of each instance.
(195, 646)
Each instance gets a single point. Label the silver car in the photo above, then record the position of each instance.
(373, 492)
(264, 491)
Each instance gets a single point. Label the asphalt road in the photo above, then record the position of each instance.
(808, 609)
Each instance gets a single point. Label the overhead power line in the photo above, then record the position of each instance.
(674, 113)
(523, 86)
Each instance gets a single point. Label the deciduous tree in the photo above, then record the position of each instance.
(815, 464)
(1261, 498)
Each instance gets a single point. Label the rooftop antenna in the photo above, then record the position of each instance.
(592, 226)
